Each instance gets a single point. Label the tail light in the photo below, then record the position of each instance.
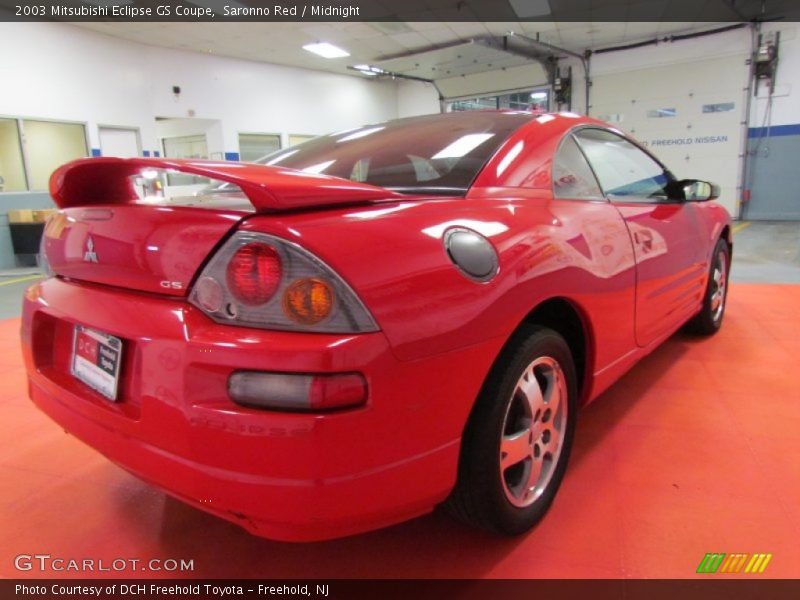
(259, 280)
(308, 301)
(254, 273)
(290, 391)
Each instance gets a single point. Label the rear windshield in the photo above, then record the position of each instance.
(436, 153)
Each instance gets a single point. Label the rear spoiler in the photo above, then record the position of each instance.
(92, 181)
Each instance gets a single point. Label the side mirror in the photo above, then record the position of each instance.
(699, 191)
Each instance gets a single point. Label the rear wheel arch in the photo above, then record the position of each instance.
(556, 328)
(568, 320)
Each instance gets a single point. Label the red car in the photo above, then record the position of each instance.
(370, 324)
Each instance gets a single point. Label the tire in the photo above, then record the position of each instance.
(709, 319)
(497, 487)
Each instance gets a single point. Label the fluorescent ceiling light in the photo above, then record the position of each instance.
(326, 50)
(368, 70)
(538, 95)
(463, 145)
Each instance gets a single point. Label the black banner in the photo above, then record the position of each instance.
(388, 589)
(397, 10)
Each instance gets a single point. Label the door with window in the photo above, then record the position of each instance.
(665, 231)
(119, 141)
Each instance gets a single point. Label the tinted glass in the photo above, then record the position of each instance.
(421, 153)
(623, 169)
(572, 177)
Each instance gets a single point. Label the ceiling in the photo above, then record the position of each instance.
(397, 28)
(281, 43)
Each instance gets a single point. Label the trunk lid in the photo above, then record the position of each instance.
(106, 233)
(145, 248)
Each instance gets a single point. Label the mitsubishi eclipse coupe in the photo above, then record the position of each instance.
(370, 324)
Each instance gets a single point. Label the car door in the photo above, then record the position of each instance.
(664, 230)
(594, 241)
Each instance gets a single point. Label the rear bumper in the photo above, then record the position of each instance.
(280, 475)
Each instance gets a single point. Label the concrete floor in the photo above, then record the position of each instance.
(13, 283)
(764, 252)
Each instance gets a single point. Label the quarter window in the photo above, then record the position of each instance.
(624, 171)
(572, 176)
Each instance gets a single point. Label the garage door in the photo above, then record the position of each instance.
(689, 115)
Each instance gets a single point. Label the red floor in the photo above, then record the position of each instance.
(696, 450)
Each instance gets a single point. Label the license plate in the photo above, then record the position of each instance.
(96, 357)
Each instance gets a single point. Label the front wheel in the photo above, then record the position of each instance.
(709, 319)
(518, 438)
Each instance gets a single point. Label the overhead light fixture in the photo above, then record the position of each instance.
(539, 96)
(326, 50)
(369, 70)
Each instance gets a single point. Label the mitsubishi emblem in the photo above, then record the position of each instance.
(90, 255)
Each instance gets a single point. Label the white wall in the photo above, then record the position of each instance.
(416, 98)
(63, 72)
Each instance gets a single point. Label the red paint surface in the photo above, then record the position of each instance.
(305, 476)
(693, 451)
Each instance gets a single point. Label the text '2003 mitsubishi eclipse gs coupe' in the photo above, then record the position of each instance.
(369, 324)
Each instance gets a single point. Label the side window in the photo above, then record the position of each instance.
(623, 170)
(572, 176)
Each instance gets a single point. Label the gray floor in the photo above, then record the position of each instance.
(764, 252)
(13, 283)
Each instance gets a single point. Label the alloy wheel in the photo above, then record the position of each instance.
(533, 431)
(719, 285)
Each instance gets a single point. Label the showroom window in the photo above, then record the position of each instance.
(622, 169)
(536, 99)
(295, 139)
(572, 176)
(30, 150)
(253, 146)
